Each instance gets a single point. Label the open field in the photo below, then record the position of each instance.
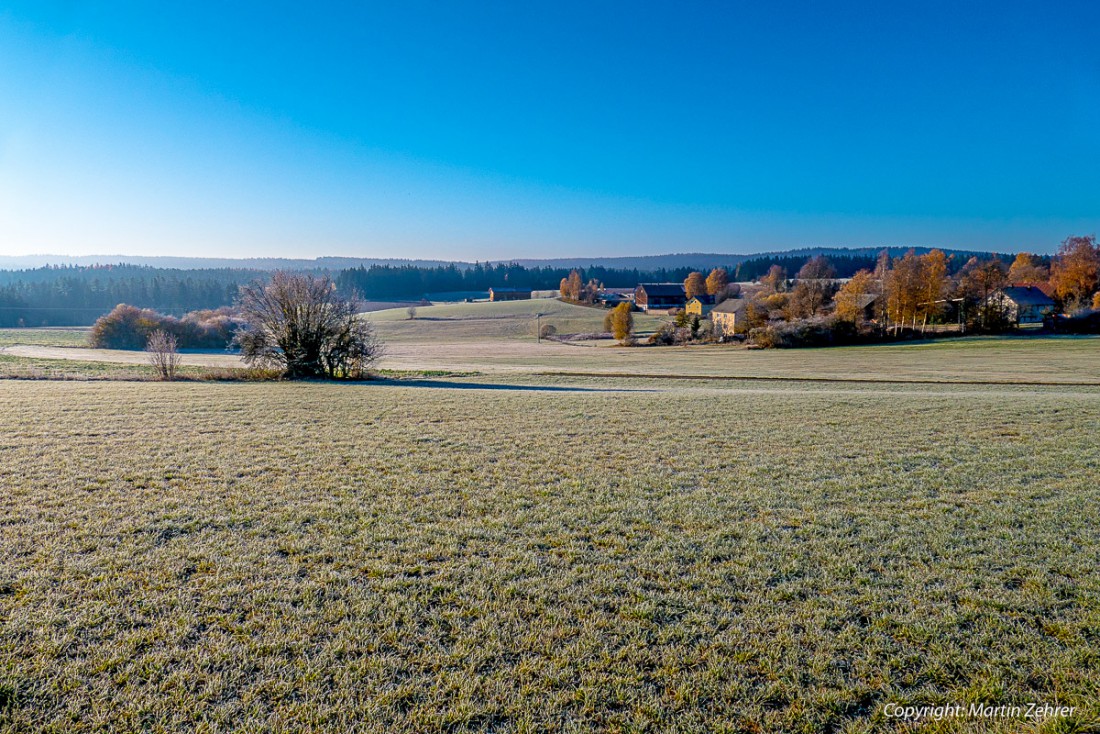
(117, 356)
(575, 554)
(76, 336)
(504, 346)
(461, 322)
(1021, 360)
(980, 359)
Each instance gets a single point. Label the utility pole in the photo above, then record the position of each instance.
(538, 327)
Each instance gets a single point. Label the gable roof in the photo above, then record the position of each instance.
(674, 290)
(730, 305)
(1046, 288)
(702, 298)
(1027, 295)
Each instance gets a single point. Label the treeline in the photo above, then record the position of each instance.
(381, 282)
(846, 266)
(78, 295)
(905, 295)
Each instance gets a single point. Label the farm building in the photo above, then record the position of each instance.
(866, 304)
(615, 296)
(509, 294)
(1023, 304)
(659, 296)
(699, 305)
(729, 316)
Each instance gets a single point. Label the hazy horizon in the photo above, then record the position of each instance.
(502, 132)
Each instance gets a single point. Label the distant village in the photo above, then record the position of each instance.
(903, 297)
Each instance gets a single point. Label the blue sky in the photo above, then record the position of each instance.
(495, 130)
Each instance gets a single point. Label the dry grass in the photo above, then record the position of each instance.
(1052, 360)
(319, 557)
(508, 320)
(64, 336)
(504, 345)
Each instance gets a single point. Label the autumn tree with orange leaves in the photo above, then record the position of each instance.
(1028, 268)
(695, 285)
(1075, 273)
(717, 281)
(852, 296)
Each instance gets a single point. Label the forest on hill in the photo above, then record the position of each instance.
(76, 295)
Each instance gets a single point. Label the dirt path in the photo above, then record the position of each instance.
(118, 356)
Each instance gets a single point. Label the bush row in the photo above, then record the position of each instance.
(820, 331)
(129, 327)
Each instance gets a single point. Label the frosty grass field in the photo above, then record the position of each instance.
(509, 550)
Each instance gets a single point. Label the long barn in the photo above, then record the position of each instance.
(660, 296)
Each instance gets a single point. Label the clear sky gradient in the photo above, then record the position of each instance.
(516, 129)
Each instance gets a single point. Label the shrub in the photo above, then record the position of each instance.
(664, 336)
(815, 332)
(299, 324)
(163, 356)
(1084, 322)
(129, 327)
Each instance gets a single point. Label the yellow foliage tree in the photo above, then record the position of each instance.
(933, 276)
(849, 300)
(717, 281)
(1076, 270)
(1028, 268)
(622, 321)
(695, 285)
(776, 279)
(572, 288)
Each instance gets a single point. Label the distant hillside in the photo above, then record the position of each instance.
(75, 294)
(708, 260)
(21, 262)
(698, 260)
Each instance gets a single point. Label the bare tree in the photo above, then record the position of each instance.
(411, 312)
(979, 281)
(163, 356)
(300, 325)
(814, 287)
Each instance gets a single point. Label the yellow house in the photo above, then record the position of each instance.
(728, 317)
(699, 306)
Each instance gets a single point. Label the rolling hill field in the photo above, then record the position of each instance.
(506, 536)
(506, 555)
(459, 322)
